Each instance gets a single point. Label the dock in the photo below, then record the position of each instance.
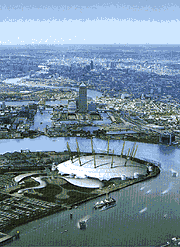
(4, 239)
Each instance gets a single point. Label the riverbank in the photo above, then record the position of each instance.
(58, 208)
(24, 219)
(56, 132)
(154, 173)
(18, 209)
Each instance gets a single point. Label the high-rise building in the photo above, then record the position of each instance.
(91, 64)
(88, 67)
(82, 104)
(113, 65)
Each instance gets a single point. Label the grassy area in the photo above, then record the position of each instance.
(75, 197)
(69, 186)
(46, 194)
(60, 191)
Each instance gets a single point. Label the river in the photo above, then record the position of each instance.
(147, 213)
(18, 81)
(41, 121)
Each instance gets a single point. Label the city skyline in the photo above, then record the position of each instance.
(116, 22)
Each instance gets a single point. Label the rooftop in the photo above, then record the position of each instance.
(103, 170)
(82, 85)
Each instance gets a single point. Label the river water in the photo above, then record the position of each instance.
(147, 213)
(18, 81)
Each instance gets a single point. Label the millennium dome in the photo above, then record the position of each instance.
(91, 170)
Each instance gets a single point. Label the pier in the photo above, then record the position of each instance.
(4, 239)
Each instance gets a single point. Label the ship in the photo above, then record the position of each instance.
(105, 207)
(105, 204)
(173, 242)
(167, 244)
(82, 225)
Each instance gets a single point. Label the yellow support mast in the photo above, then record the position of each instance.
(69, 151)
(78, 152)
(94, 161)
(92, 145)
(108, 147)
(127, 157)
(128, 153)
(93, 153)
(135, 152)
(112, 159)
(132, 151)
(122, 149)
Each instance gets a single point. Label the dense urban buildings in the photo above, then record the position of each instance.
(117, 97)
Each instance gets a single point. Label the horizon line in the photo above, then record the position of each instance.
(60, 45)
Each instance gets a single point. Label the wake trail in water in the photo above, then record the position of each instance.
(143, 210)
(149, 191)
(168, 189)
(174, 173)
(142, 188)
(85, 218)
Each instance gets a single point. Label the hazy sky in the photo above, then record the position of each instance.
(89, 22)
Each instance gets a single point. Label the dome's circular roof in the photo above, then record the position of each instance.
(102, 169)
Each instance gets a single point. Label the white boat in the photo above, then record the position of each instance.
(113, 204)
(107, 202)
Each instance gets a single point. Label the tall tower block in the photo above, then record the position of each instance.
(82, 106)
(91, 64)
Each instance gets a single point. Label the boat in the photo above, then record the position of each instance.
(167, 244)
(105, 204)
(99, 205)
(175, 241)
(108, 206)
(82, 225)
(174, 174)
